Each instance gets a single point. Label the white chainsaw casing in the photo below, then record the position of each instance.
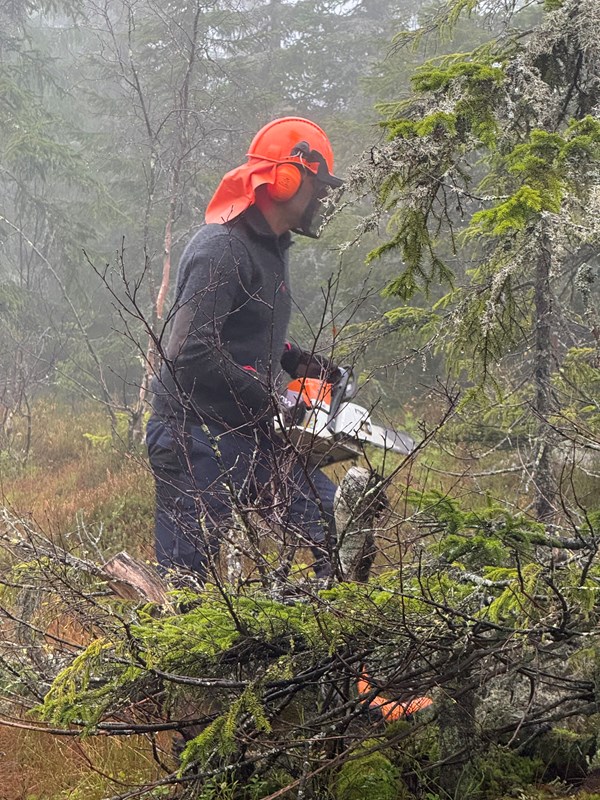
(351, 420)
(339, 439)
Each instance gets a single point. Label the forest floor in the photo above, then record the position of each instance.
(90, 495)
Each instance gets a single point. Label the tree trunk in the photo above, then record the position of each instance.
(543, 357)
(457, 738)
(183, 152)
(152, 357)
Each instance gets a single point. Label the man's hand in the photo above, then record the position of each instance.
(303, 364)
(313, 366)
(292, 409)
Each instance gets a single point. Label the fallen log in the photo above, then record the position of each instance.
(130, 579)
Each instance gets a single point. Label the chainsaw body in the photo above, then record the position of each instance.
(335, 428)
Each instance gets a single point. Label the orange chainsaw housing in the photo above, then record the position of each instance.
(312, 390)
(391, 710)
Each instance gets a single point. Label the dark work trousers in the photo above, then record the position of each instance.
(205, 473)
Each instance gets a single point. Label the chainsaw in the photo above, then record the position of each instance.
(335, 429)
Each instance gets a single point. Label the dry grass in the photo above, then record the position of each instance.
(89, 495)
(72, 483)
(38, 766)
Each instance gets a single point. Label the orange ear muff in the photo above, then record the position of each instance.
(288, 179)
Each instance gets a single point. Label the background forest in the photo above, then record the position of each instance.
(458, 274)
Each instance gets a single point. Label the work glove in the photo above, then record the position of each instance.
(292, 409)
(303, 364)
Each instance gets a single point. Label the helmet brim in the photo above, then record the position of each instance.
(330, 180)
(322, 172)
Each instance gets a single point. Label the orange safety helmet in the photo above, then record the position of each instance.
(277, 157)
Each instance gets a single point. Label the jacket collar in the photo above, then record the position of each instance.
(255, 220)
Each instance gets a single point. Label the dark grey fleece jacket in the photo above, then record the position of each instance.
(229, 324)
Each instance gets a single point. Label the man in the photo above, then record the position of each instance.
(211, 438)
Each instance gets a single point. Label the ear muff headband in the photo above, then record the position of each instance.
(288, 179)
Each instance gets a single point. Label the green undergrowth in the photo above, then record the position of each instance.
(241, 651)
(369, 772)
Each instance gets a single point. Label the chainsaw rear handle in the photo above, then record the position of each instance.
(344, 389)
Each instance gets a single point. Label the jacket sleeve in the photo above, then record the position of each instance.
(214, 276)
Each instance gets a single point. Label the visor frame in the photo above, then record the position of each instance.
(302, 154)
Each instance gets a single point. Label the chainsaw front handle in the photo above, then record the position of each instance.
(344, 389)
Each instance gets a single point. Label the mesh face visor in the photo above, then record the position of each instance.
(312, 220)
